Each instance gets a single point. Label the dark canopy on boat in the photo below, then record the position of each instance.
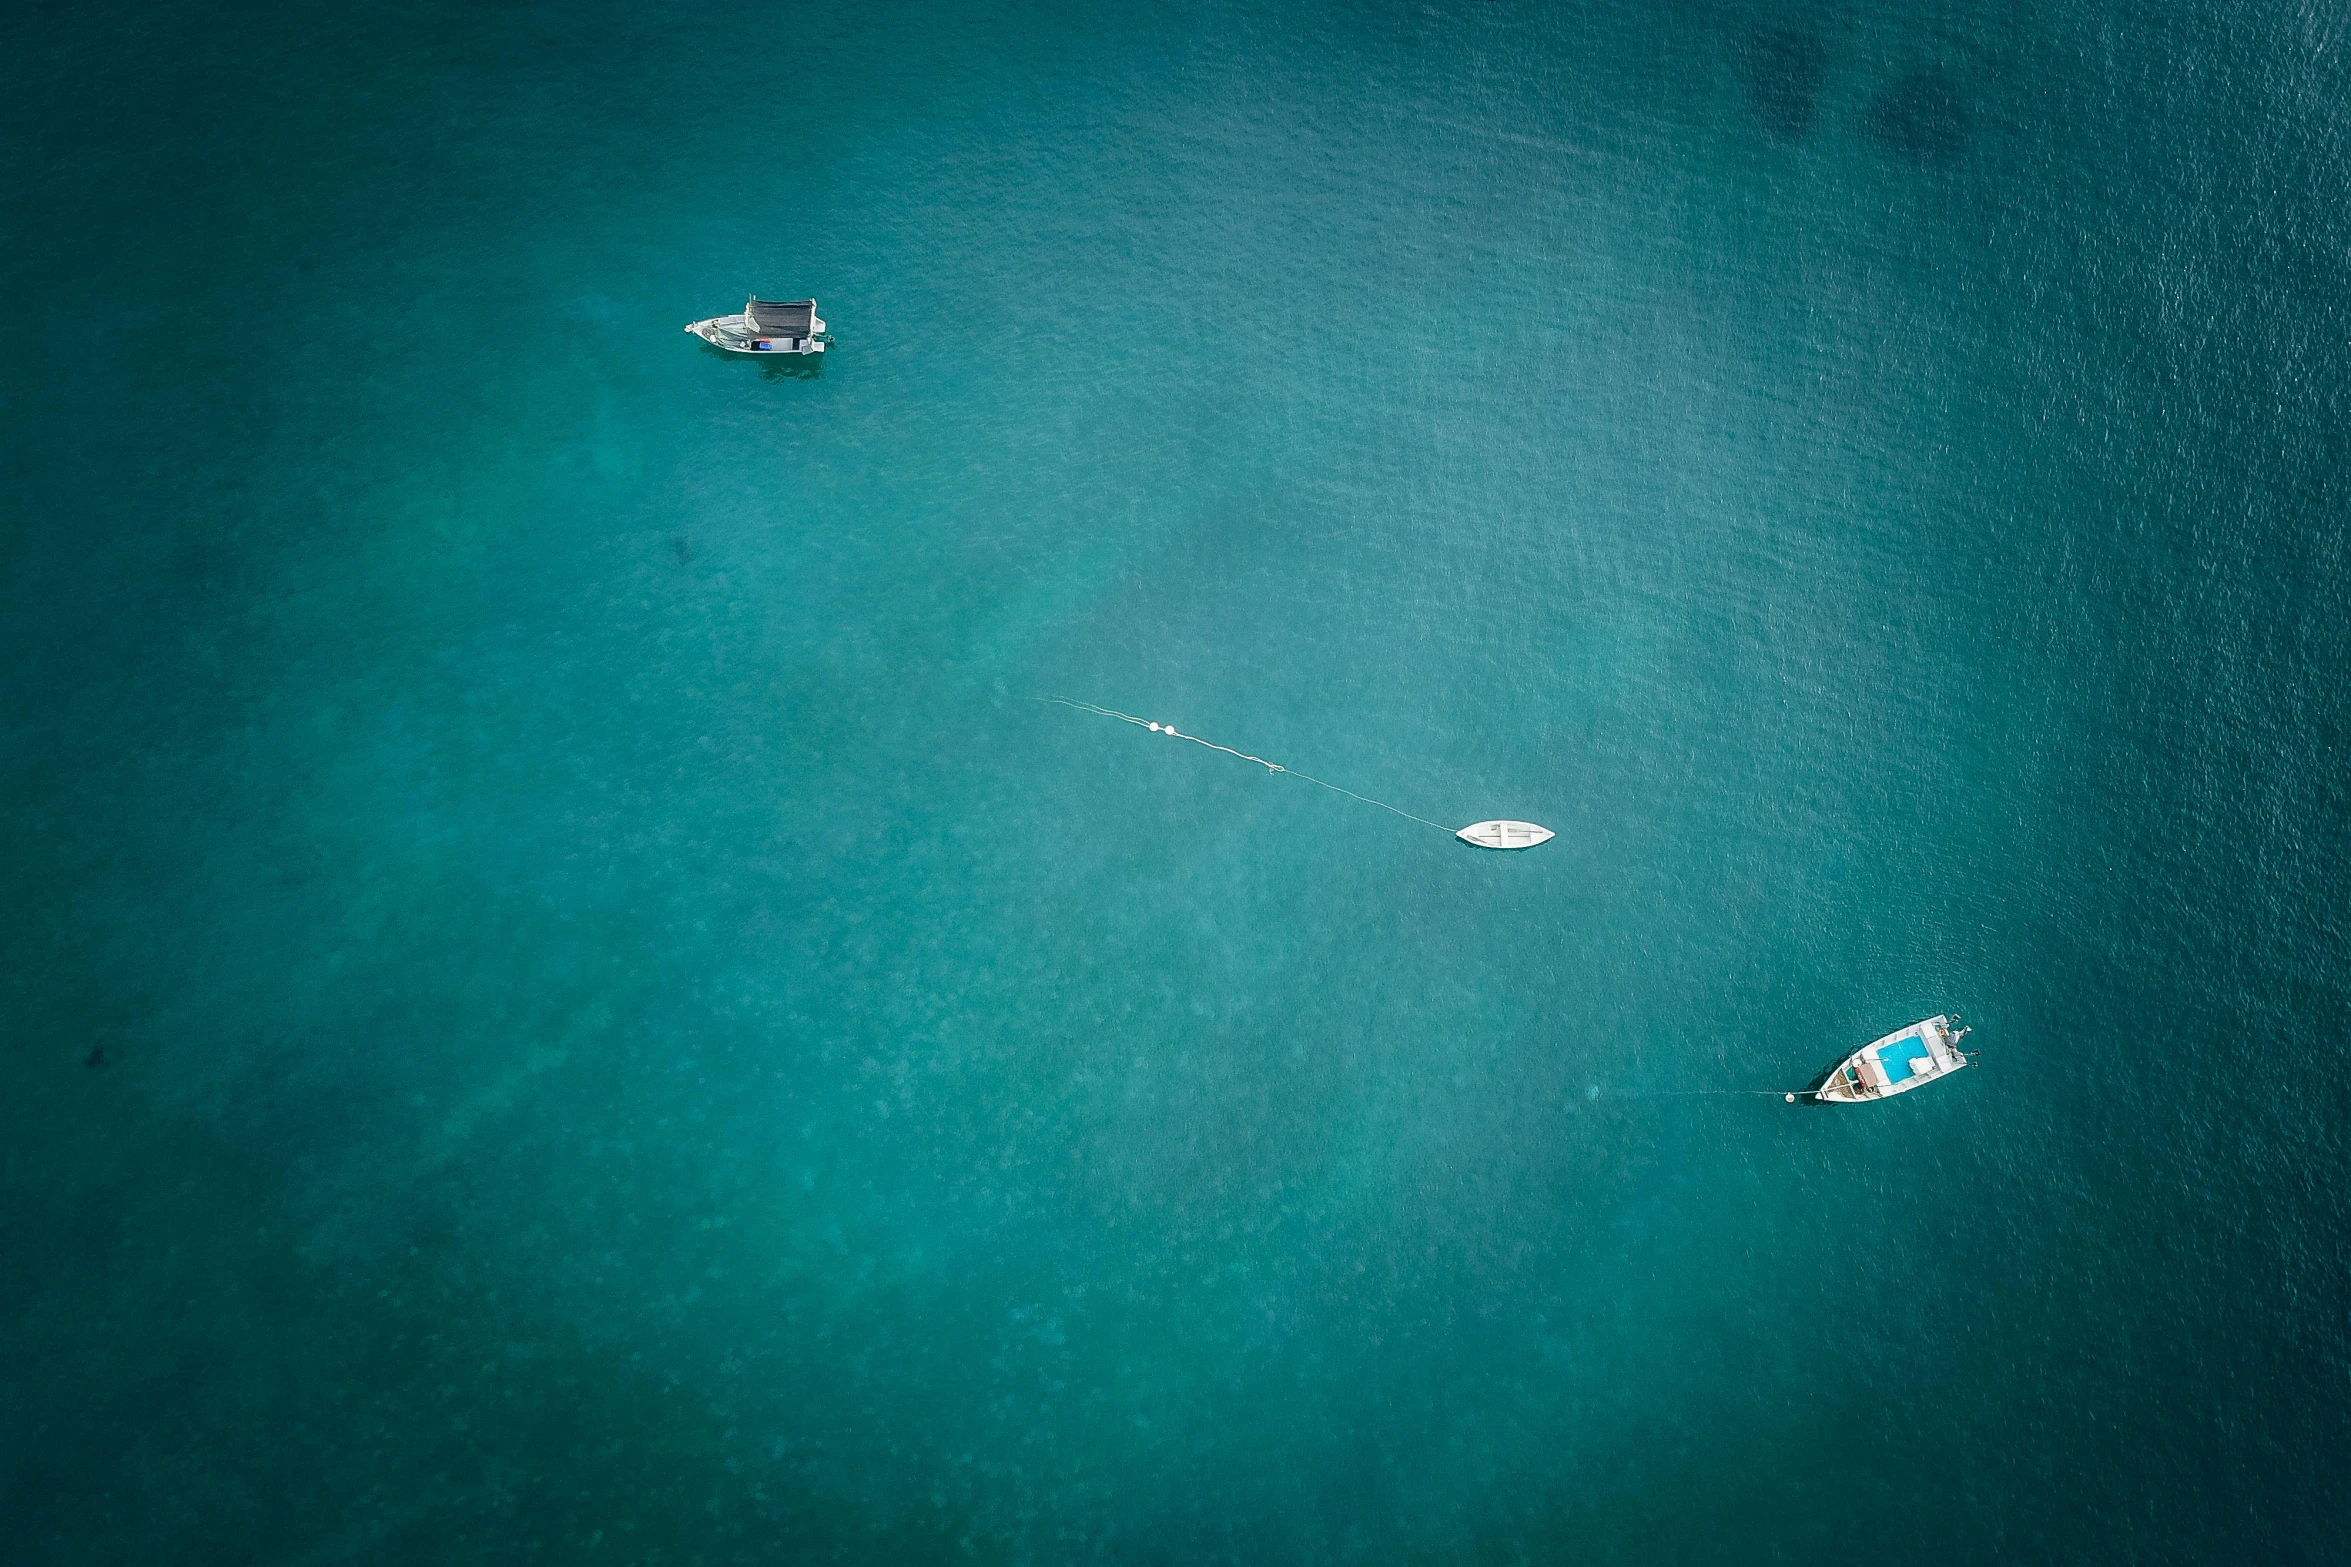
(781, 317)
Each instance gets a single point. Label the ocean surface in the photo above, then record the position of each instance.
(561, 1002)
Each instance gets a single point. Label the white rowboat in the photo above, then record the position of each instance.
(1505, 835)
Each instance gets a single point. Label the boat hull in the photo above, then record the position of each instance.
(733, 335)
(1907, 1058)
(1504, 835)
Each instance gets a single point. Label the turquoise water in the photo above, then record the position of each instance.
(563, 1004)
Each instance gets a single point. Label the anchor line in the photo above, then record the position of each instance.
(1724, 1093)
(1271, 767)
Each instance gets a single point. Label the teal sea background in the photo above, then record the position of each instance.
(563, 1003)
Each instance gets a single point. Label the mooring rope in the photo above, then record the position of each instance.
(1725, 1093)
(1272, 767)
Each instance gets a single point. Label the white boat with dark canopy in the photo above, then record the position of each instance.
(766, 326)
(1504, 835)
(1896, 1064)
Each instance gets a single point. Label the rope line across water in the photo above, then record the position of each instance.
(1271, 767)
(1275, 767)
(1723, 1093)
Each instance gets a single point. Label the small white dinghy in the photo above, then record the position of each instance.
(766, 326)
(1896, 1064)
(1505, 835)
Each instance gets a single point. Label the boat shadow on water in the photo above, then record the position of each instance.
(772, 367)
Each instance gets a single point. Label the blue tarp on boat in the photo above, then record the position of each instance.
(1897, 1055)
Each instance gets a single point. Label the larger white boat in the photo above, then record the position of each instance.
(766, 326)
(1896, 1064)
